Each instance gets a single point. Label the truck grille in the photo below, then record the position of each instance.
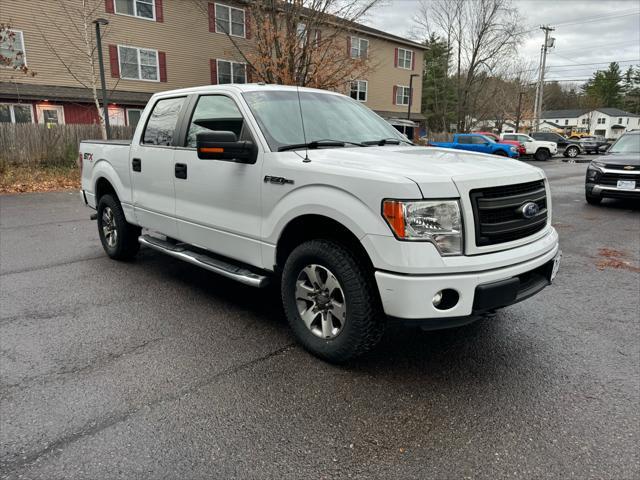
(497, 216)
(612, 178)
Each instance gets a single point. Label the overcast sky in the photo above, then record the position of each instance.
(587, 31)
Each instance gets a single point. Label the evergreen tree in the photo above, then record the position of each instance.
(605, 89)
(438, 89)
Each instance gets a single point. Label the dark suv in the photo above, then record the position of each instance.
(567, 147)
(615, 174)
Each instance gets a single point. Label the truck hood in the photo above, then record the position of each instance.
(437, 171)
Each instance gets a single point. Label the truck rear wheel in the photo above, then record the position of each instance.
(331, 301)
(119, 238)
(572, 152)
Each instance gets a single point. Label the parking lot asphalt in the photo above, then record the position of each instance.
(157, 369)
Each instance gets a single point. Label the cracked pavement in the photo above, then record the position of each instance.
(157, 369)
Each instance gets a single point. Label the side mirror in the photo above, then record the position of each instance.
(221, 145)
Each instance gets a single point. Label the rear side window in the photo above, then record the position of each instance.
(464, 140)
(161, 126)
(509, 137)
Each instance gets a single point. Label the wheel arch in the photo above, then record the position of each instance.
(103, 187)
(316, 226)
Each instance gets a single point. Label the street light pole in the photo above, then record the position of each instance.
(105, 101)
(410, 94)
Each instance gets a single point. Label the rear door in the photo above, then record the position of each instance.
(152, 167)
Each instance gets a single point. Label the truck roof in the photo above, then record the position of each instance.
(240, 87)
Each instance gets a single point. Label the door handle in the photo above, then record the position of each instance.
(136, 165)
(181, 170)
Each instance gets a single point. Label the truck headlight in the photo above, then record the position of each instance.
(513, 149)
(435, 221)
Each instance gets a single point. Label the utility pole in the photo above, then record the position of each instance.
(105, 100)
(534, 125)
(548, 42)
(519, 111)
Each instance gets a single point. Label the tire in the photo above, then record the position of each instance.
(350, 321)
(593, 200)
(542, 155)
(119, 238)
(572, 152)
(501, 153)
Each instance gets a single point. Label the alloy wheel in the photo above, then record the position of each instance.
(109, 227)
(320, 301)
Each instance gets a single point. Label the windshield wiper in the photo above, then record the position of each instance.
(387, 141)
(318, 144)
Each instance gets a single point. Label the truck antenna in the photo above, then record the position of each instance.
(304, 135)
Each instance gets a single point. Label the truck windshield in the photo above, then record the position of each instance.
(326, 116)
(626, 144)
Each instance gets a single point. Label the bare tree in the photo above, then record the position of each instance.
(80, 56)
(303, 42)
(483, 33)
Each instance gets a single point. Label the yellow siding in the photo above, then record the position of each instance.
(52, 38)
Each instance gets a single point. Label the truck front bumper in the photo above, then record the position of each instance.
(470, 295)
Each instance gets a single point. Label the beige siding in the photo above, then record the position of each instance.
(384, 75)
(54, 48)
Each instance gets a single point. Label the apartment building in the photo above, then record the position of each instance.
(155, 45)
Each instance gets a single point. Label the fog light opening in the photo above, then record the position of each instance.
(446, 299)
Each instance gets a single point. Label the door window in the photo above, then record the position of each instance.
(161, 126)
(216, 112)
(478, 140)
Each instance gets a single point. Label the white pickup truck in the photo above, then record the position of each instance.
(354, 224)
(540, 150)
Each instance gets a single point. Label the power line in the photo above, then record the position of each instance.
(590, 19)
(597, 19)
(591, 47)
(597, 63)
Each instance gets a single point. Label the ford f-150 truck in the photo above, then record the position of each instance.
(354, 224)
(479, 143)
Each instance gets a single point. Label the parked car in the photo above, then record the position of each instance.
(568, 148)
(593, 144)
(521, 149)
(540, 150)
(616, 174)
(474, 142)
(356, 225)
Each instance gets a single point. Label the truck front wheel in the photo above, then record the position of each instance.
(331, 301)
(119, 238)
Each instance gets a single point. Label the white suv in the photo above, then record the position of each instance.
(540, 149)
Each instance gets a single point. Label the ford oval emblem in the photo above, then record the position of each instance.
(529, 210)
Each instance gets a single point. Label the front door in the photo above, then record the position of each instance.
(218, 202)
(152, 170)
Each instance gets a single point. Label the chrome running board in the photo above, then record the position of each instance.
(221, 267)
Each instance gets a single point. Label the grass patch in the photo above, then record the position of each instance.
(41, 178)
